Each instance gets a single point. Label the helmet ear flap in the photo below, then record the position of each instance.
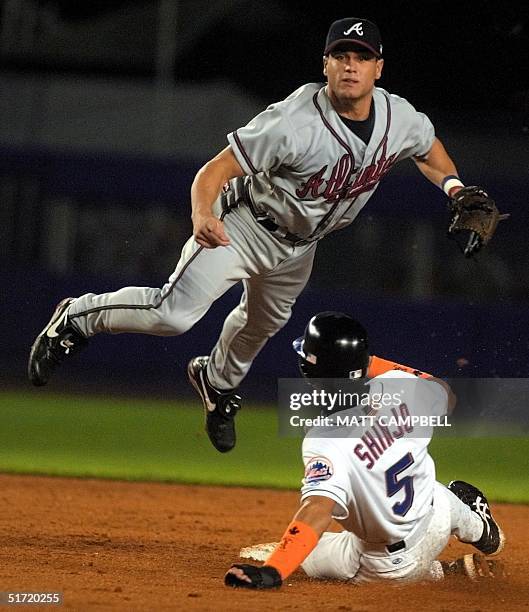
(310, 368)
(304, 367)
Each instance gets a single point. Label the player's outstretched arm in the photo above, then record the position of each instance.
(299, 539)
(436, 165)
(472, 211)
(208, 230)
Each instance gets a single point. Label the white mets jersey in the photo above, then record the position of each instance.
(381, 477)
(308, 171)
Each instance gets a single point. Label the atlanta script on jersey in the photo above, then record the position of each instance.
(311, 174)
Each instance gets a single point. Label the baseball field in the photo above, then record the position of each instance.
(123, 504)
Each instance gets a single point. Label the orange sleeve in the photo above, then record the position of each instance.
(379, 366)
(297, 542)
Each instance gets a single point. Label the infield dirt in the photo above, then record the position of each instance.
(144, 546)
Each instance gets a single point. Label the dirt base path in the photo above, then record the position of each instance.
(140, 546)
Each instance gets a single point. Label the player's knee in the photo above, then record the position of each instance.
(183, 323)
(279, 321)
(267, 329)
(174, 324)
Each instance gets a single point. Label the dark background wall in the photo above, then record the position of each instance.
(452, 54)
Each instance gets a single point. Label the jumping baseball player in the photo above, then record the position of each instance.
(299, 170)
(380, 486)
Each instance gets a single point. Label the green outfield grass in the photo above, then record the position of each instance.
(120, 438)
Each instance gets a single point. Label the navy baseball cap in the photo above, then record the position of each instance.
(356, 31)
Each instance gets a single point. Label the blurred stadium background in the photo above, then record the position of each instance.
(108, 108)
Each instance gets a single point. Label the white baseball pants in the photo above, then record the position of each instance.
(343, 556)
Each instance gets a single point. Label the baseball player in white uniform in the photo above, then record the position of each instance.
(299, 170)
(377, 481)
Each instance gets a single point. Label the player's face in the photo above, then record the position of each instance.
(351, 75)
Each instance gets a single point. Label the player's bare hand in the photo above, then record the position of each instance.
(209, 232)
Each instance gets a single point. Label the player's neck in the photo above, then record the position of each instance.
(357, 110)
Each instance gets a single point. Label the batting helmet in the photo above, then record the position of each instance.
(334, 346)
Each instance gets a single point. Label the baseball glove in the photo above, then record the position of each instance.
(474, 212)
(265, 577)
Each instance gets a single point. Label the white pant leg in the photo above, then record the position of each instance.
(417, 562)
(343, 556)
(201, 277)
(450, 516)
(335, 556)
(265, 308)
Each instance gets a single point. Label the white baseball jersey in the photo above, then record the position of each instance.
(308, 171)
(382, 481)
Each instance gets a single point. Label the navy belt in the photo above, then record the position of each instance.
(273, 228)
(396, 546)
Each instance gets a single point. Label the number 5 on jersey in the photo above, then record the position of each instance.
(394, 485)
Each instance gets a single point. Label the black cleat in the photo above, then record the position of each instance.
(492, 540)
(220, 406)
(59, 339)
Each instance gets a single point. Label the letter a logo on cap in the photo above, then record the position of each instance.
(357, 27)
